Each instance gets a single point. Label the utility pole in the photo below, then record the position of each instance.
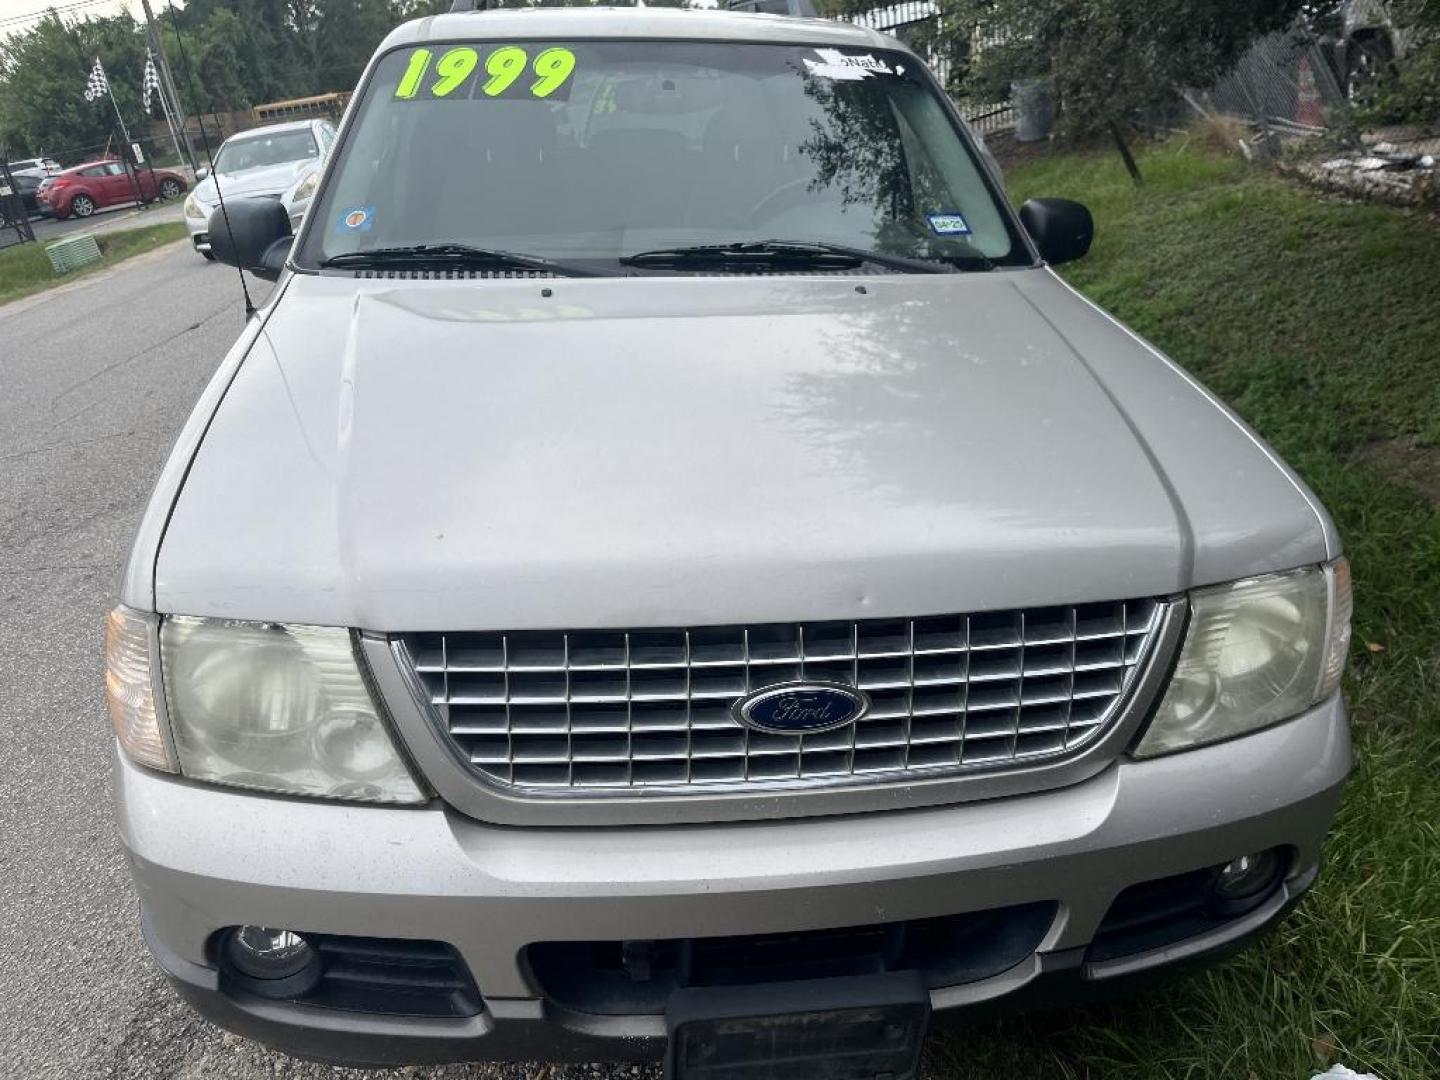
(170, 122)
(179, 110)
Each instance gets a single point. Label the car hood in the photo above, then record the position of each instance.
(400, 455)
(269, 180)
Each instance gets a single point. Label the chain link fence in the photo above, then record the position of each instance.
(1288, 82)
(1302, 89)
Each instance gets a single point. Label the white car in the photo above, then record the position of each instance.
(36, 166)
(281, 161)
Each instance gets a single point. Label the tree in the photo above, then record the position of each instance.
(236, 54)
(242, 53)
(43, 75)
(1411, 90)
(1108, 59)
(348, 31)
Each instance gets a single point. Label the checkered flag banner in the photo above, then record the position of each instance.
(151, 83)
(98, 86)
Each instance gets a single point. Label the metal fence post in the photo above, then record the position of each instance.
(14, 219)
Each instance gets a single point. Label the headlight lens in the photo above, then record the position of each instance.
(193, 209)
(1256, 652)
(129, 689)
(278, 708)
(305, 190)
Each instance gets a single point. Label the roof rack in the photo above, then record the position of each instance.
(495, 5)
(804, 9)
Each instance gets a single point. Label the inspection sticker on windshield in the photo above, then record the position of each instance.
(356, 219)
(834, 64)
(948, 224)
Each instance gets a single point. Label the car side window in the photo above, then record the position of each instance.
(114, 168)
(94, 170)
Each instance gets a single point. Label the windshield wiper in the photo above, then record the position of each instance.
(453, 255)
(813, 254)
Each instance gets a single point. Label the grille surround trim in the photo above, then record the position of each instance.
(471, 792)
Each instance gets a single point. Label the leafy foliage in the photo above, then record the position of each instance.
(1108, 58)
(1412, 90)
(241, 53)
(42, 79)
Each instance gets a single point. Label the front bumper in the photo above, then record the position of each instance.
(205, 859)
(199, 233)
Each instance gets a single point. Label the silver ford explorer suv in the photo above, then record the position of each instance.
(672, 572)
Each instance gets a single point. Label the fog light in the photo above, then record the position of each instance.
(275, 963)
(1242, 883)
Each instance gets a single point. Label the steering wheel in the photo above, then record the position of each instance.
(768, 207)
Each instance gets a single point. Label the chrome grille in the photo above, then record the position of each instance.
(632, 709)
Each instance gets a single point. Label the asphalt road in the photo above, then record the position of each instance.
(130, 216)
(96, 378)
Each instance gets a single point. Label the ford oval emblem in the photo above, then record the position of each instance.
(801, 707)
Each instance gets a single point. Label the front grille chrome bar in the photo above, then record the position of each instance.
(608, 711)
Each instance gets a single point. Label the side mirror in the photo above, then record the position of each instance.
(202, 172)
(1063, 230)
(257, 237)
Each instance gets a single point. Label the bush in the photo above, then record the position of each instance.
(1412, 92)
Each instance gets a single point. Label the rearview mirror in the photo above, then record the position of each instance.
(1063, 230)
(257, 236)
(202, 172)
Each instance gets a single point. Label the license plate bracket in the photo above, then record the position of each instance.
(869, 1027)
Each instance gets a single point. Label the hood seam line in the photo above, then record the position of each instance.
(1329, 537)
(1177, 506)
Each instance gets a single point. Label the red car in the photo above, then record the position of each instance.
(86, 188)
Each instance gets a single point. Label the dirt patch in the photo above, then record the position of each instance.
(1406, 462)
(1011, 153)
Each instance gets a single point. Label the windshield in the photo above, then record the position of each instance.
(599, 150)
(258, 151)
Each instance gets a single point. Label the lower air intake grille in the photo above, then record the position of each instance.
(640, 709)
(638, 977)
(399, 977)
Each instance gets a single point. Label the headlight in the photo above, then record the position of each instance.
(1256, 652)
(278, 708)
(305, 190)
(193, 209)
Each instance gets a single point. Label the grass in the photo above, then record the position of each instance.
(1320, 323)
(25, 268)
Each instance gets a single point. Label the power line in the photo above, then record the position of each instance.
(57, 9)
